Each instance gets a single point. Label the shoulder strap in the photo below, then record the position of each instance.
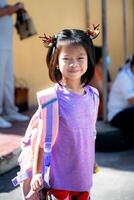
(49, 107)
(47, 100)
(47, 130)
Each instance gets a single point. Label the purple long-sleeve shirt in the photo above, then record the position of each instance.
(73, 154)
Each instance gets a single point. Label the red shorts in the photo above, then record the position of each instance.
(63, 194)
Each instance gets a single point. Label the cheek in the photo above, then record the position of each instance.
(62, 67)
(85, 66)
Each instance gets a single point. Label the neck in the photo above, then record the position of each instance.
(74, 86)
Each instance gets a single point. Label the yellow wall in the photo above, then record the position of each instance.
(115, 38)
(51, 16)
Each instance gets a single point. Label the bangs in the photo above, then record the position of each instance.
(64, 43)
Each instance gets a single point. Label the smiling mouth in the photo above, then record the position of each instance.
(73, 71)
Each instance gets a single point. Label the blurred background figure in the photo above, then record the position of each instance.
(8, 111)
(97, 80)
(121, 98)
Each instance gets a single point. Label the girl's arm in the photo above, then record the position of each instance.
(37, 181)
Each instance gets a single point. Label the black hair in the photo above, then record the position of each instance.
(132, 60)
(70, 37)
(98, 54)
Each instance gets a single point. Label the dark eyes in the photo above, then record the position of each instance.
(79, 58)
(65, 58)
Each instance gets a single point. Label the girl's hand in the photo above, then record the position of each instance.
(37, 182)
(96, 168)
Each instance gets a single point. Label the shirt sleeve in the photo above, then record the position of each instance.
(96, 106)
(126, 86)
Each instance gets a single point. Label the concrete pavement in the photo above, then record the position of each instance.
(10, 143)
(115, 181)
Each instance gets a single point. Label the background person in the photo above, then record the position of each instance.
(121, 98)
(8, 111)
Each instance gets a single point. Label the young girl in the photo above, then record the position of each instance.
(70, 62)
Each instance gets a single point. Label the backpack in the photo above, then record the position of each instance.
(42, 131)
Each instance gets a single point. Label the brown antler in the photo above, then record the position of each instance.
(47, 40)
(93, 33)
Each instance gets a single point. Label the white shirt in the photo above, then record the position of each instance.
(6, 29)
(122, 89)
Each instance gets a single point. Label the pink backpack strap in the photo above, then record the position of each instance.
(49, 110)
(46, 132)
(47, 100)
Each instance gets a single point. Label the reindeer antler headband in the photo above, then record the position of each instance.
(48, 41)
(93, 33)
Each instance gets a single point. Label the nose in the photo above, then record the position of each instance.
(74, 63)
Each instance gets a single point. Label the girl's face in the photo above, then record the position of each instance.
(72, 62)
